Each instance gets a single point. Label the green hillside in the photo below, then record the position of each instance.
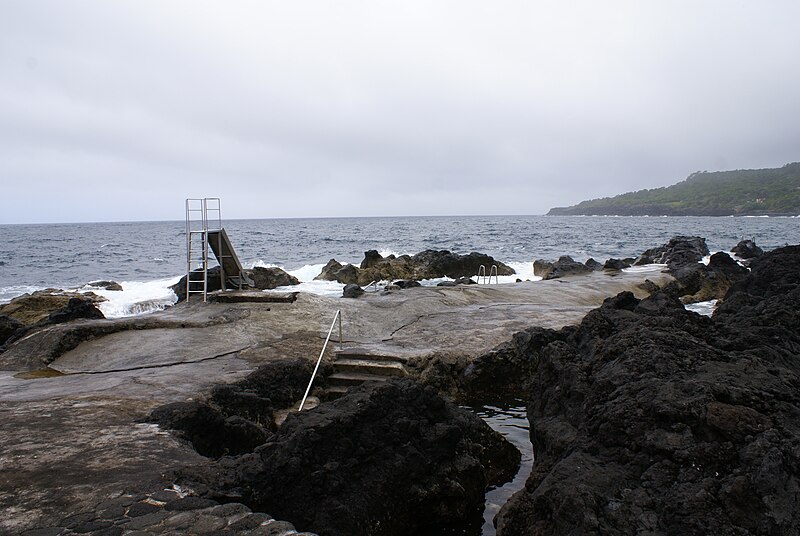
(743, 192)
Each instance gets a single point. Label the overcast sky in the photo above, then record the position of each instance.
(115, 111)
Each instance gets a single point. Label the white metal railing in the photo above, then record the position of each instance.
(492, 272)
(373, 284)
(337, 316)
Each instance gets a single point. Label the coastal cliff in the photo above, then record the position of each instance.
(745, 192)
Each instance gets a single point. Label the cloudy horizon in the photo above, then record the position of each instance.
(118, 111)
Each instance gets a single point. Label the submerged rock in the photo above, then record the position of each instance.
(107, 285)
(389, 458)
(647, 418)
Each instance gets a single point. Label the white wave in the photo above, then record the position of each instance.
(386, 252)
(321, 288)
(704, 308)
(8, 293)
(136, 297)
(308, 272)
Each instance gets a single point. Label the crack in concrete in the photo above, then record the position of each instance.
(161, 365)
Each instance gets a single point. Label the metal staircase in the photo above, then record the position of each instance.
(205, 235)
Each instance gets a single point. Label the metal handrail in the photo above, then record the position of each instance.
(375, 283)
(492, 272)
(338, 316)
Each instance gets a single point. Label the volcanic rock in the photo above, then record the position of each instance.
(8, 328)
(648, 418)
(52, 306)
(210, 432)
(270, 278)
(678, 252)
(747, 249)
(616, 264)
(406, 283)
(352, 290)
(107, 285)
(429, 264)
(329, 271)
(564, 266)
(390, 458)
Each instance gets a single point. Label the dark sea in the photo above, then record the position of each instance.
(145, 257)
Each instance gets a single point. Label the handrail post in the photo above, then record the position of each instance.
(481, 270)
(341, 342)
(494, 271)
(337, 316)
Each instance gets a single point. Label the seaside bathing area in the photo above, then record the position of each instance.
(74, 440)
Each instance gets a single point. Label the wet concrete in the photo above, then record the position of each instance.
(71, 441)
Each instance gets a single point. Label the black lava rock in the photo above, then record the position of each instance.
(647, 418)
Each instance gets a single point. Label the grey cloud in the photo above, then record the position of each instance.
(321, 109)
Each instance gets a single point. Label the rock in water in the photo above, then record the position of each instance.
(649, 419)
(678, 252)
(270, 278)
(747, 249)
(388, 459)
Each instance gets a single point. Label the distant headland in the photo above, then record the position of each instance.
(742, 192)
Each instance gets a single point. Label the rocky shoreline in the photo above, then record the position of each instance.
(642, 414)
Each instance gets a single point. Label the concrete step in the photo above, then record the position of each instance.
(369, 366)
(353, 378)
(358, 353)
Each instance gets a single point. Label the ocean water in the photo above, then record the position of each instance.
(147, 257)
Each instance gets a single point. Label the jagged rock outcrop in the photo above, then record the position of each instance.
(678, 252)
(236, 418)
(352, 290)
(747, 249)
(429, 264)
(8, 328)
(647, 418)
(271, 277)
(564, 266)
(697, 282)
(52, 306)
(617, 264)
(387, 459)
(107, 285)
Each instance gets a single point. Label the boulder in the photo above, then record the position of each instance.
(389, 458)
(616, 264)
(431, 264)
(406, 283)
(564, 266)
(270, 278)
(371, 258)
(747, 249)
(9, 328)
(107, 285)
(593, 265)
(649, 419)
(52, 306)
(329, 271)
(680, 251)
(697, 282)
(352, 290)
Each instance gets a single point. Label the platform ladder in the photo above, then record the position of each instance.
(203, 216)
